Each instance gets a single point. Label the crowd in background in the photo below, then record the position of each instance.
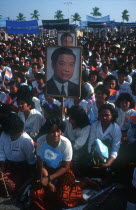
(105, 111)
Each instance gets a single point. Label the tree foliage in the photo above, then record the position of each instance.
(35, 15)
(125, 15)
(58, 15)
(96, 12)
(20, 17)
(76, 17)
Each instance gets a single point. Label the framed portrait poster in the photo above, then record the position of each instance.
(63, 71)
(67, 39)
(52, 33)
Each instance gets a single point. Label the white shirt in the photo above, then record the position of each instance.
(2, 95)
(33, 123)
(68, 103)
(95, 108)
(64, 147)
(113, 133)
(77, 136)
(35, 85)
(125, 88)
(21, 149)
(54, 102)
(122, 120)
(37, 104)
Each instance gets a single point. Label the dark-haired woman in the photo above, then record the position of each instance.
(16, 156)
(33, 120)
(11, 97)
(106, 130)
(94, 79)
(77, 131)
(101, 95)
(56, 188)
(111, 83)
(125, 107)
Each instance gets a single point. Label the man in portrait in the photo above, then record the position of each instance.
(63, 63)
(66, 39)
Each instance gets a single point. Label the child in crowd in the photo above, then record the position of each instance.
(125, 107)
(111, 83)
(77, 131)
(124, 87)
(33, 120)
(11, 98)
(104, 71)
(101, 94)
(94, 79)
(39, 84)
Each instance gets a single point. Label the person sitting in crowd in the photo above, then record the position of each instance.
(16, 156)
(94, 79)
(108, 132)
(56, 186)
(33, 120)
(77, 131)
(125, 107)
(111, 83)
(101, 94)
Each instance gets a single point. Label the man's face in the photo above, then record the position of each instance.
(64, 68)
(67, 41)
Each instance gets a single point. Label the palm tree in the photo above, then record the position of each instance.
(96, 12)
(58, 15)
(35, 15)
(125, 15)
(76, 17)
(20, 17)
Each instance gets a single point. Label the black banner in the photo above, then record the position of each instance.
(132, 25)
(97, 24)
(56, 24)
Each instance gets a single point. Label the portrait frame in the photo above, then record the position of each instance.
(73, 84)
(52, 33)
(103, 30)
(73, 34)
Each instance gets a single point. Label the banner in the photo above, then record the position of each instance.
(56, 24)
(94, 19)
(3, 22)
(83, 23)
(22, 27)
(97, 24)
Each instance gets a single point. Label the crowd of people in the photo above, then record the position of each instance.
(54, 143)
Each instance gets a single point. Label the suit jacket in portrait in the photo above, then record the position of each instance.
(73, 89)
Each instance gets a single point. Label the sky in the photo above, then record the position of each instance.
(47, 8)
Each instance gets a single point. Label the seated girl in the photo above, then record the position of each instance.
(111, 83)
(77, 131)
(16, 156)
(56, 188)
(101, 96)
(106, 130)
(125, 107)
(33, 120)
